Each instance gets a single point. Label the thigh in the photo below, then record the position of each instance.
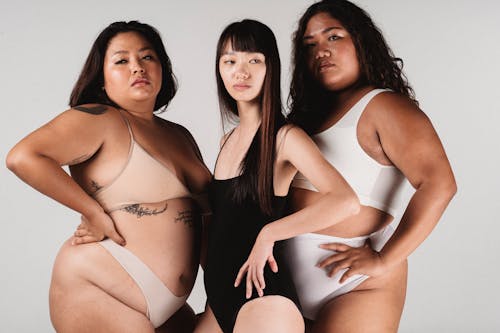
(182, 321)
(269, 314)
(89, 309)
(79, 266)
(207, 323)
(374, 306)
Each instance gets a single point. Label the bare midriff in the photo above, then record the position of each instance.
(367, 221)
(163, 235)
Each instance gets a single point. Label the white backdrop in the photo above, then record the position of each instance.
(451, 56)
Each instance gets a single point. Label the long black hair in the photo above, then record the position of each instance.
(88, 87)
(256, 180)
(379, 67)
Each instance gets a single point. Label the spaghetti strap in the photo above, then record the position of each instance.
(128, 126)
(283, 137)
(222, 146)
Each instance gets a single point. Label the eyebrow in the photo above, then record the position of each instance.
(125, 52)
(324, 31)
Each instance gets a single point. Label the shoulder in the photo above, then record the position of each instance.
(389, 103)
(289, 132)
(291, 139)
(182, 134)
(389, 109)
(87, 115)
(92, 111)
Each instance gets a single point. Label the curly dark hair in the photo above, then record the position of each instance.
(88, 87)
(378, 65)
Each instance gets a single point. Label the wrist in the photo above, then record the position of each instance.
(266, 235)
(93, 211)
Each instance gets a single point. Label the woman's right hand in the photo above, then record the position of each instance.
(95, 229)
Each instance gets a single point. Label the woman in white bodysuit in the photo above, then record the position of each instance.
(349, 93)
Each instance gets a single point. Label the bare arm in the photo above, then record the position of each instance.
(410, 141)
(71, 138)
(337, 203)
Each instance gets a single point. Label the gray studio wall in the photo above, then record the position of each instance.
(451, 57)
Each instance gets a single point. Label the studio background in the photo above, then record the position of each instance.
(451, 58)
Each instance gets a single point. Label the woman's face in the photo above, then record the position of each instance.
(243, 73)
(132, 71)
(331, 54)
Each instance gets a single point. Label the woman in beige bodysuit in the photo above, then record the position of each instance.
(133, 260)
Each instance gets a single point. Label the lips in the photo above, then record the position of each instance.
(241, 86)
(140, 81)
(324, 66)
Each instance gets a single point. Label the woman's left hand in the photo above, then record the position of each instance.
(261, 253)
(358, 260)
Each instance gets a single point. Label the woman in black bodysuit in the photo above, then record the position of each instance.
(253, 172)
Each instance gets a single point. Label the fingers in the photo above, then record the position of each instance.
(340, 265)
(254, 278)
(84, 240)
(115, 236)
(347, 274)
(241, 272)
(273, 264)
(82, 232)
(249, 283)
(335, 247)
(332, 259)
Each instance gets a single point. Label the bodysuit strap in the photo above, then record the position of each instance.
(127, 122)
(222, 146)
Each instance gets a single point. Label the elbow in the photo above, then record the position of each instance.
(16, 159)
(449, 189)
(12, 160)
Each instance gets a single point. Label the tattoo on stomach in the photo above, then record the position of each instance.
(140, 211)
(185, 216)
(94, 186)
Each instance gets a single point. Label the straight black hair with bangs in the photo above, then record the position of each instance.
(256, 180)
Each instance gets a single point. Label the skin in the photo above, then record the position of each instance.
(295, 151)
(90, 291)
(393, 131)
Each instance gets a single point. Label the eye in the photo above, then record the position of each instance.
(228, 61)
(309, 45)
(334, 38)
(121, 62)
(255, 61)
(148, 57)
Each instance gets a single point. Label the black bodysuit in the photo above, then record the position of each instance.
(232, 234)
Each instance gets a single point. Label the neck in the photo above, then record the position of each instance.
(250, 115)
(347, 97)
(143, 111)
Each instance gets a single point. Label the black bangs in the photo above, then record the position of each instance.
(242, 40)
(245, 36)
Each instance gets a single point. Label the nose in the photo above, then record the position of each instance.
(137, 67)
(323, 52)
(138, 70)
(242, 73)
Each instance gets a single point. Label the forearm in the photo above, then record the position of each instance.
(421, 216)
(328, 210)
(46, 176)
